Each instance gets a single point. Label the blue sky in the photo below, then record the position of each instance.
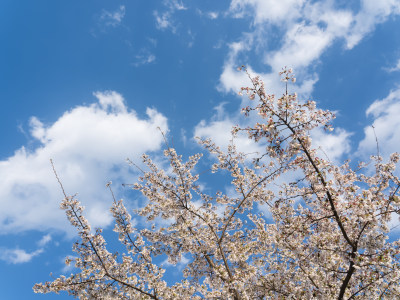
(87, 83)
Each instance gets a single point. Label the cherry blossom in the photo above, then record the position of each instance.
(326, 236)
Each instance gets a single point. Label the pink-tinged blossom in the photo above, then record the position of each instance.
(327, 237)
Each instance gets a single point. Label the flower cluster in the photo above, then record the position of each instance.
(326, 235)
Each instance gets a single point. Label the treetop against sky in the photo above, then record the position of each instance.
(324, 236)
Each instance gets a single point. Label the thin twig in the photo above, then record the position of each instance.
(58, 179)
(376, 139)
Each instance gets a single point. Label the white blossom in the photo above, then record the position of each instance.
(328, 238)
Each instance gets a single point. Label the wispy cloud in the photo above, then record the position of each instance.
(44, 240)
(209, 14)
(267, 10)
(386, 126)
(17, 256)
(112, 18)
(395, 68)
(165, 20)
(371, 13)
(144, 58)
(192, 38)
(212, 15)
(107, 20)
(88, 144)
(307, 29)
(175, 5)
(145, 54)
(306, 32)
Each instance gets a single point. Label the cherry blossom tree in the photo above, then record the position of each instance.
(325, 235)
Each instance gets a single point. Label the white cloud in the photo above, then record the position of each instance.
(231, 80)
(145, 55)
(212, 15)
(306, 34)
(220, 133)
(114, 18)
(144, 59)
(44, 240)
(386, 121)
(303, 44)
(306, 28)
(17, 256)
(88, 145)
(267, 10)
(175, 4)
(332, 145)
(395, 68)
(372, 12)
(165, 19)
(209, 14)
(110, 100)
